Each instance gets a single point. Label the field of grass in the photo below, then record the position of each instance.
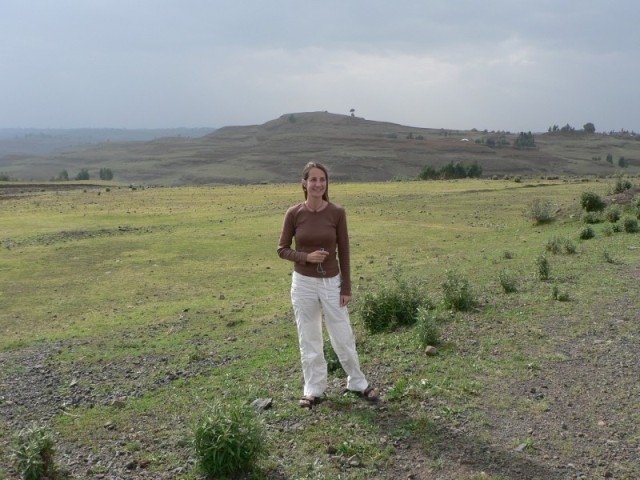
(144, 306)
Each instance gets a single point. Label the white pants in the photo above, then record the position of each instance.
(310, 298)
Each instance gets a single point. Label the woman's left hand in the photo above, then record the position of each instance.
(345, 300)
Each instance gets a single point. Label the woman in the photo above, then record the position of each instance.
(321, 284)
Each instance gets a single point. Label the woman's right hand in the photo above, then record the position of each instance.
(317, 257)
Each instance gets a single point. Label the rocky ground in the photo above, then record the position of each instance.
(581, 419)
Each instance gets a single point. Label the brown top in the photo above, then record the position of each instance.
(314, 231)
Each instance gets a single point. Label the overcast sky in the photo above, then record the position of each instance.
(495, 64)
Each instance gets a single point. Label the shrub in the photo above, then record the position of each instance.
(612, 213)
(607, 230)
(389, 307)
(543, 267)
(508, 282)
(34, 454)
(622, 184)
(586, 233)
(541, 211)
(228, 441)
(630, 225)
(556, 294)
(554, 245)
(591, 202)
(569, 246)
(458, 294)
(590, 218)
(333, 362)
(616, 227)
(427, 331)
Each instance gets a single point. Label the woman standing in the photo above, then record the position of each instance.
(321, 284)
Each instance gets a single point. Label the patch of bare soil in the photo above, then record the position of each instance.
(571, 418)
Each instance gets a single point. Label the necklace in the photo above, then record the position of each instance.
(316, 209)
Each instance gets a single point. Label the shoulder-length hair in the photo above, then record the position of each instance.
(305, 176)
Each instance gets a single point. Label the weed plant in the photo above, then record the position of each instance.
(229, 441)
(458, 294)
(556, 294)
(508, 282)
(34, 454)
(427, 330)
(333, 362)
(543, 267)
(387, 308)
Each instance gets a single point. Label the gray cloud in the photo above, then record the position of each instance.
(455, 64)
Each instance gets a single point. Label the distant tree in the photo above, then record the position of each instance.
(63, 176)
(622, 162)
(474, 170)
(410, 136)
(4, 177)
(353, 112)
(429, 173)
(567, 129)
(83, 174)
(106, 174)
(610, 158)
(525, 140)
(589, 128)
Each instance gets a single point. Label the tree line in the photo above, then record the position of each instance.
(83, 174)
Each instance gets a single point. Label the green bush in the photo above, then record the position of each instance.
(427, 331)
(630, 225)
(390, 307)
(590, 218)
(607, 230)
(622, 184)
(591, 202)
(541, 211)
(543, 267)
(228, 441)
(617, 227)
(508, 282)
(612, 213)
(554, 245)
(586, 233)
(556, 294)
(333, 362)
(458, 294)
(34, 454)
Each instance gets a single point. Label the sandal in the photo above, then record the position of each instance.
(371, 394)
(308, 401)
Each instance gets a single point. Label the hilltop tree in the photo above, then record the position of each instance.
(525, 140)
(83, 174)
(353, 112)
(589, 127)
(106, 174)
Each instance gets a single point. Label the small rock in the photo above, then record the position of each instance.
(221, 297)
(74, 382)
(354, 461)
(520, 447)
(431, 350)
(262, 403)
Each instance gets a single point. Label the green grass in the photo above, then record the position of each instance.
(168, 280)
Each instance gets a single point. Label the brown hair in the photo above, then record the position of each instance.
(305, 176)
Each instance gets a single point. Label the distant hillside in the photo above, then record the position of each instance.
(355, 149)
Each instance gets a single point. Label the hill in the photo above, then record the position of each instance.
(354, 148)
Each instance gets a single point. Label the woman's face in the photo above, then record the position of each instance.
(316, 183)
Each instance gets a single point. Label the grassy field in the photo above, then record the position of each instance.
(144, 306)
